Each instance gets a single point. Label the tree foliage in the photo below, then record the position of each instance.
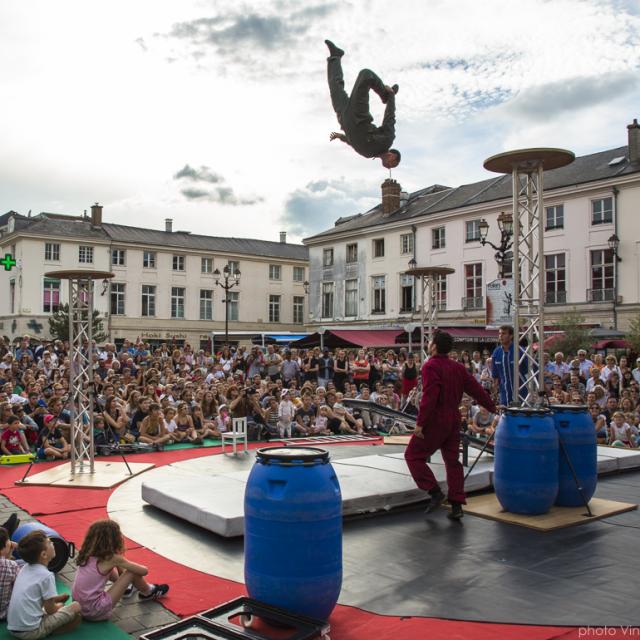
(633, 334)
(576, 335)
(59, 325)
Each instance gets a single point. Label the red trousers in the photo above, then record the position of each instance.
(443, 435)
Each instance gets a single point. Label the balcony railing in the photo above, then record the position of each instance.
(473, 303)
(555, 297)
(599, 295)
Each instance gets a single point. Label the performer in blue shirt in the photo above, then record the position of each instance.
(502, 365)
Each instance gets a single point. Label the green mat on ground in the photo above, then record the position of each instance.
(188, 445)
(86, 631)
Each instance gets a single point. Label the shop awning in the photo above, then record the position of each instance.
(612, 344)
(366, 337)
(351, 338)
(278, 338)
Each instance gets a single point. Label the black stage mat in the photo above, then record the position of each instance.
(404, 564)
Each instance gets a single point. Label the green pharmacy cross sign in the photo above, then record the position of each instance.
(8, 261)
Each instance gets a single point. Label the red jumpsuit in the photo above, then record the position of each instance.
(443, 383)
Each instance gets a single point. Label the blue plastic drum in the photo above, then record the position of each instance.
(526, 461)
(293, 531)
(578, 435)
(64, 549)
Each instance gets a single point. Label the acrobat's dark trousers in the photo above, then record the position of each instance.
(446, 437)
(355, 106)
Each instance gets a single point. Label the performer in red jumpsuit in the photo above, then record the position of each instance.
(438, 423)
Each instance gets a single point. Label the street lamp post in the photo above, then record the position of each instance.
(505, 224)
(227, 281)
(614, 244)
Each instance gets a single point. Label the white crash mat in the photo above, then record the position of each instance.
(212, 496)
(625, 458)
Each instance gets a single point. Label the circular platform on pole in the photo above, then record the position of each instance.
(73, 274)
(429, 271)
(529, 159)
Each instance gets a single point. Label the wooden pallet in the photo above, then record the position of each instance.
(487, 506)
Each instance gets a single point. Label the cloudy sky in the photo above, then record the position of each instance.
(216, 113)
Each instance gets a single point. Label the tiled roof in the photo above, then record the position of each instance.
(436, 199)
(181, 240)
(56, 225)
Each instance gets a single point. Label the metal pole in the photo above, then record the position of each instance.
(517, 263)
(541, 280)
(423, 354)
(226, 311)
(72, 366)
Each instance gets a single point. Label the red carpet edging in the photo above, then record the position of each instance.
(70, 511)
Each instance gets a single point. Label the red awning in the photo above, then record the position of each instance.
(367, 337)
(612, 344)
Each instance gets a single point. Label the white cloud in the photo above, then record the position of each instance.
(92, 110)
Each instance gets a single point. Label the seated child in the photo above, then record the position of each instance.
(8, 570)
(349, 424)
(483, 424)
(622, 434)
(153, 429)
(51, 442)
(100, 559)
(169, 420)
(12, 441)
(271, 418)
(321, 424)
(35, 609)
(223, 419)
(204, 428)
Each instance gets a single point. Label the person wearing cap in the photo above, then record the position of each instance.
(51, 443)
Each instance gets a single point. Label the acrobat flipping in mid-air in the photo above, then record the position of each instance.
(353, 111)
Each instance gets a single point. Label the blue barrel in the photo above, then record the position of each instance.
(525, 475)
(577, 434)
(293, 531)
(64, 549)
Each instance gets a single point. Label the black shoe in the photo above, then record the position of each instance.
(456, 512)
(157, 591)
(12, 524)
(436, 500)
(334, 52)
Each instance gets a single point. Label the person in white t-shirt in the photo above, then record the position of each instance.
(286, 413)
(35, 609)
(622, 434)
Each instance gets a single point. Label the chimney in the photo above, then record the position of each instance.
(283, 237)
(168, 225)
(634, 142)
(96, 215)
(390, 196)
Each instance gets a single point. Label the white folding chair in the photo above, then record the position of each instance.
(238, 432)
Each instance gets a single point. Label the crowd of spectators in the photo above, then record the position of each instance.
(173, 393)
